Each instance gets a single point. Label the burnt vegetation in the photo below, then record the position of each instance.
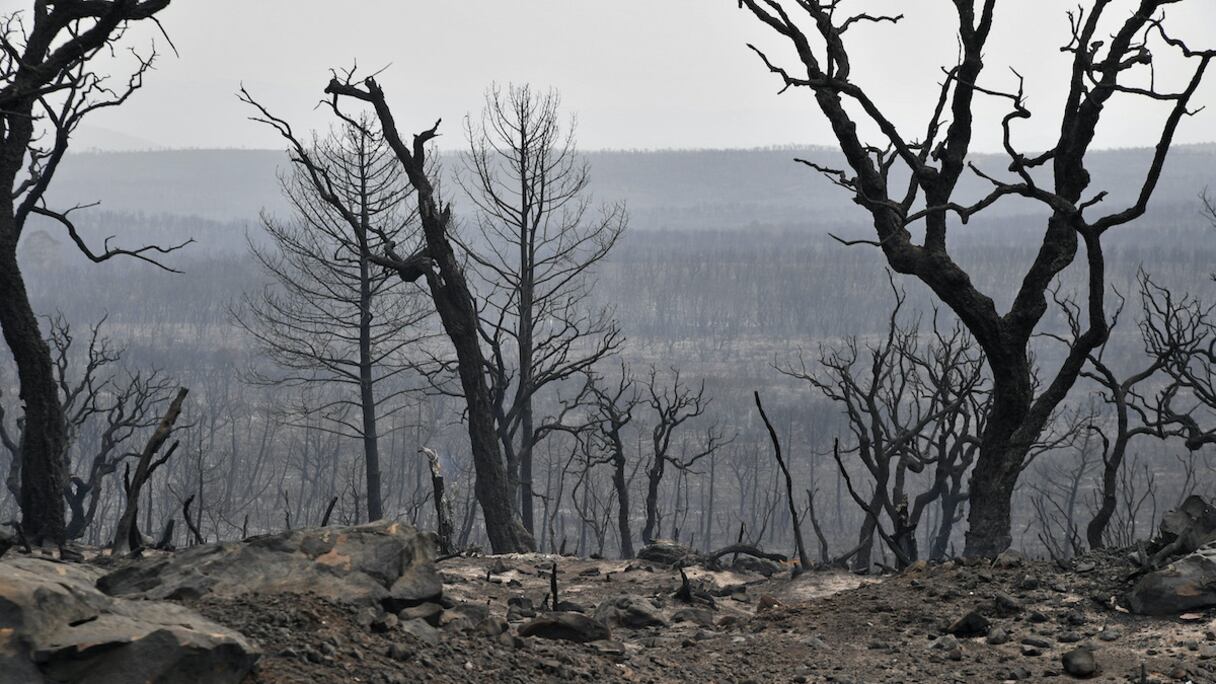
(502, 345)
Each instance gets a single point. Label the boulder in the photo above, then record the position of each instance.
(1191, 525)
(759, 566)
(566, 627)
(629, 611)
(382, 562)
(1188, 583)
(666, 552)
(1080, 663)
(55, 626)
(971, 625)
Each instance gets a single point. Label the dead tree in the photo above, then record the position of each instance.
(126, 536)
(538, 244)
(803, 558)
(334, 317)
(444, 525)
(1108, 58)
(445, 277)
(670, 407)
(1125, 395)
(104, 407)
(614, 405)
(914, 403)
(1182, 328)
(47, 87)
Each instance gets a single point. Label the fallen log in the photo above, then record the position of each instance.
(712, 559)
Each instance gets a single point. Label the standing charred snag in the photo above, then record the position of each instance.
(329, 511)
(671, 407)
(1106, 60)
(538, 246)
(46, 89)
(803, 559)
(196, 536)
(166, 536)
(444, 525)
(126, 538)
(437, 262)
(824, 556)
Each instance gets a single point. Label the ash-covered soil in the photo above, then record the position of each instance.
(818, 627)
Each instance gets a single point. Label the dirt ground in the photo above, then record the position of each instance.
(827, 626)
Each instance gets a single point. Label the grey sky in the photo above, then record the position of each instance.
(639, 73)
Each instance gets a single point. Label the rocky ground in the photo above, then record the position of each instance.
(368, 604)
(818, 627)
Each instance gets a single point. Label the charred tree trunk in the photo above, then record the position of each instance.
(458, 314)
(444, 525)
(654, 477)
(126, 538)
(43, 440)
(367, 397)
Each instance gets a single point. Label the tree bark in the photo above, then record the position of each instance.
(43, 473)
(367, 397)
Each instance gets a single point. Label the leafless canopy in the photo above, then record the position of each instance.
(1110, 56)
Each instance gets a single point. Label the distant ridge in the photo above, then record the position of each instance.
(681, 189)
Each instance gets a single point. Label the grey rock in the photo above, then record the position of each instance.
(760, 566)
(385, 561)
(629, 611)
(430, 612)
(697, 616)
(1187, 584)
(420, 630)
(58, 627)
(492, 626)
(1080, 663)
(998, 636)
(1005, 603)
(566, 627)
(970, 625)
(1009, 559)
(666, 552)
(385, 623)
(519, 608)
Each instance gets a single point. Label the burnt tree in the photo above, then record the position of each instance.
(538, 244)
(912, 218)
(332, 316)
(613, 405)
(914, 403)
(47, 86)
(671, 406)
(437, 262)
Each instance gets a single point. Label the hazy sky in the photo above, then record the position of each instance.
(638, 73)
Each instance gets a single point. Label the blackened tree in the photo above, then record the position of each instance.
(536, 245)
(47, 87)
(912, 217)
(331, 316)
